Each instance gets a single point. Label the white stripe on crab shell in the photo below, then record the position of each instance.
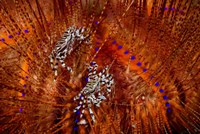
(98, 104)
(110, 83)
(90, 74)
(74, 110)
(52, 66)
(102, 97)
(94, 73)
(93, 96)
(61, 60)
(68, 39)
(82, 30)
(106, 80)
(98, 88)
(107, 75)
(51, 59)
(103, 77)
(82, 122)
(75, 98)
(81, 115)
(56, 66)
(77, 108)
(89, 68)
(83, 106)
(62, 64)
(69, 69)
(108, 90)
(77, 32)
(94, 101)
(56, 73)
(92, 114)
(100, 74)
(82, 37)
(83, 111)
(103, 82)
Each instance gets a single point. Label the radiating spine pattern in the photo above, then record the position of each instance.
(99, 66)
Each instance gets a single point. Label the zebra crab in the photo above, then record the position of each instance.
(92, 93)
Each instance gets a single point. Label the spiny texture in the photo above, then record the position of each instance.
(152, 48)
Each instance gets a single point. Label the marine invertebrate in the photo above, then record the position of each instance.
(93, 88)
(65, 46)
(155, 65)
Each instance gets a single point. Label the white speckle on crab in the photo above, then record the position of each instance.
(82, 122)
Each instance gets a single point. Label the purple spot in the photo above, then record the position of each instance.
(96, 49)
(114, 42)
(92, 63)
(172, 9)
(144, 70)
(168, 110)
(75, 128)
(165, 8)
(2, 39)
(26, 77)
(126, 52)
(24, 85)
(161, 90)
(10, 36)
(151, 77)
(96, 22)
(167, 104)
(119, 47)
(20, 110)
(70, 2)
(18, 33)
(165, 98)
(23, 94)
(81, 96)
(76, 120)
(157, 84)
(97, 42)
(132, 57)
(26, 31)
(181, 12)
(139, 64)
(86, 79)
(78, 112)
